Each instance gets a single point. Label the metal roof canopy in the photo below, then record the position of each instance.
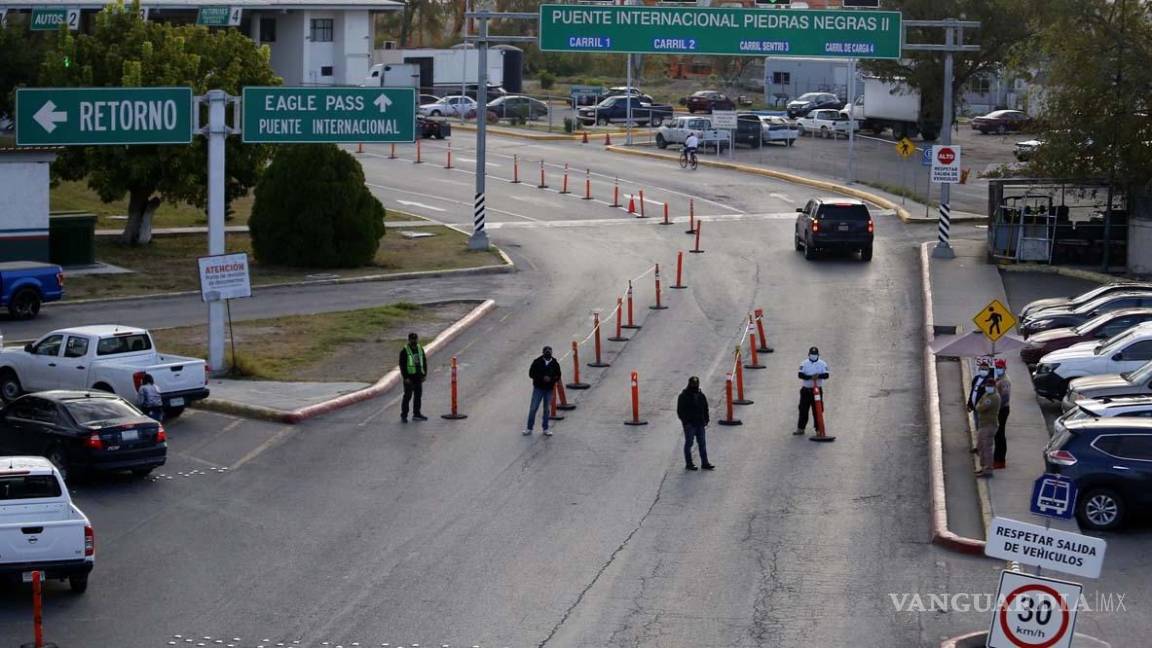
(161, 5)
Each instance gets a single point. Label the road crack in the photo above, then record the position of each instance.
(606, 565)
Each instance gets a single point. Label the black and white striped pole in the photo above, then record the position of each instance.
(943, 249)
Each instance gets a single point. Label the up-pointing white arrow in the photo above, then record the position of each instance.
(48, 116)
(383, 102)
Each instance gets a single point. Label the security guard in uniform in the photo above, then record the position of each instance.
(810, 370)
(413, 369)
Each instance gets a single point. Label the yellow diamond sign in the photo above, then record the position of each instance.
(905, 148)
(994, 320)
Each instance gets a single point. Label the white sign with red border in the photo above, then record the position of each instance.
(946, 164)
(224, 276)
(1033, 612)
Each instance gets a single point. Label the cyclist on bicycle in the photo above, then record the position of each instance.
(691, 143)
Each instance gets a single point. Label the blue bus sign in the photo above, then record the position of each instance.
(1054, 496)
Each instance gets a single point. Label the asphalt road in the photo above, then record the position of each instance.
(356, 528)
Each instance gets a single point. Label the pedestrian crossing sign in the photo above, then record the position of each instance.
(994, 320)
(905, 148)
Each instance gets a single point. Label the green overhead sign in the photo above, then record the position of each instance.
(53, 19)
(99, 116)
(731, 32)
(217, 16)
(299, 115)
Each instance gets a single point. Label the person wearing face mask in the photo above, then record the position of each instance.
(982, 373)
(810, 370)
(1004, 389)
(692, 409)
(987, 413)
(545, 373)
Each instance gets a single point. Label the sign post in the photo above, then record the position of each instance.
(103, 116)
(224, 277)
(278, 115)
(994, 320)
(946, 164)
(724, 31)
(1034, 612)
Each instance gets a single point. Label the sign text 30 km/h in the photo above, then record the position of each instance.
(737, 32)
(299, 115)
(103, 116)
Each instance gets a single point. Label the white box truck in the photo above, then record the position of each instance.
(893, 105)
(440, 71)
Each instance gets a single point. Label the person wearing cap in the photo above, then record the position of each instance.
(976, 388)
(987, 412)
(1004, 389)
(545, 374)
(692, 409)
(413, 369)
(811, 370)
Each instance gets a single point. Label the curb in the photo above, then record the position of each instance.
(979, 640)
(941, 534)
(1075, 273)
(542, 137)
(385, 383)
(901, 212)
(986, 510)
(507, 266)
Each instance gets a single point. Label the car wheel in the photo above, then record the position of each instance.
(10, 388)
(801, 130)
(661, 143)
(172, 412)
(658, 121)
(78, 583)
(797, 243)
(57, 458)
(439, 134)
(141, 472)
(602, 121)
(434, 113)
(983, 131)
(866, 254)
(104, 387)
(25, 304)
(1100, 509)
(809, 251)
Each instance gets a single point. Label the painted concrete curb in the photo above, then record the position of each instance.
(941, 534)
(385, 383)
(980, 639)
(507, 266)
(1076, 273)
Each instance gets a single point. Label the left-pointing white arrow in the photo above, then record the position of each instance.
(48, 116)
(383, 102)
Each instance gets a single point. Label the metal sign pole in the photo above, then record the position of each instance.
(217, 134)
(943, 249)
(628, 118)
(851, 120)
(479, 238)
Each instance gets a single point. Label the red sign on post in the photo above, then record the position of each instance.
(945, 164)
(946, 155)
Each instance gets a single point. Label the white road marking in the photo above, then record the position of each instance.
(781, 196)
(276, 439)
(448, 200)
(411, 203)
(600, 222)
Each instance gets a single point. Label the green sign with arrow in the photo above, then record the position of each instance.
(103, 116)
(297, 115)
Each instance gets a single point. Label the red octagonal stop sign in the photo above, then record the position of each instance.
(946, 156)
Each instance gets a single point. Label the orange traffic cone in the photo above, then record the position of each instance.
(607, 139)
(631, 204)
(585, 140)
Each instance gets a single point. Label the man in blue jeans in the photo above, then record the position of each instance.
(692, 409)
(545, 373)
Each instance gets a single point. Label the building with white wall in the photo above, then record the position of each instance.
(24, 203)
(313, 42)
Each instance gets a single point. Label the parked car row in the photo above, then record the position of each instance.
(1093, 352)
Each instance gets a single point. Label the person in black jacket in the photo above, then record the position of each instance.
(692, 408)
(545, 373)
(413, 369)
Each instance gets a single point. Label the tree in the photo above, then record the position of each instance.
(20, 53)
(313, 210)
(1004, 24)
(123, 50)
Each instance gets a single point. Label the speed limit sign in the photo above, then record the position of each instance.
(1033, 612)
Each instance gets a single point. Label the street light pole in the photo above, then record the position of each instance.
(479, 238)
(943, 249)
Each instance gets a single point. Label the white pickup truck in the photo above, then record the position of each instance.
(676, 131)
(106, 357)
(40, 528)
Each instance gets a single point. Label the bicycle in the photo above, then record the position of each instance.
(688, 158)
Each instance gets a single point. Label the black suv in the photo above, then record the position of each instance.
(1111, 461)
(834, 223)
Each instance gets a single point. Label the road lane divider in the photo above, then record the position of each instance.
(764, 348)
(697, 250)
(635, 384)
(576, 383)
(454, 414)
(729, 415)
(679, 285)
(658, 305)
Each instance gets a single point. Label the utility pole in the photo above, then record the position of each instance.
(953, 43)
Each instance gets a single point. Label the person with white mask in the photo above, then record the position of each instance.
(811, 370)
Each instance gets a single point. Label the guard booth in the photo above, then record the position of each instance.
(1058, 222)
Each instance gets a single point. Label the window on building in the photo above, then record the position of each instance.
(321, 30)
(326, 70)
(267, 30)
(980, 85)
(781, 78)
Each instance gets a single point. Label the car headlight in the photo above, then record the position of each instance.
(1046, 368)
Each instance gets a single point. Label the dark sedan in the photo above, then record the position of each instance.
(1098, 328)
(82, 432)
(810, 101)
(1111, 461)
(1001, 121)
(517, 107)
(1052, 318)
(707, 101)
(429, 127)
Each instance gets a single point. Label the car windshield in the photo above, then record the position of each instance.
(848, 212)
(123, 344)
(1140, 375)
(607, 102)
(91, 410)
(1092, 305)
(14, 487)
(811, 96)
(1091, 324)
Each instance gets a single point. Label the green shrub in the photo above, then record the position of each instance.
(547, 80)
(312, 210)
(569, 124)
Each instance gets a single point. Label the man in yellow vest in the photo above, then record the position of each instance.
(413, 369)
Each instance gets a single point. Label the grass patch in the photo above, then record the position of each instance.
(290, 348)
(76, 196)
(897, 190)
(169, 263)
